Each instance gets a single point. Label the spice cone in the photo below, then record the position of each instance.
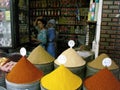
(97, 63)
(24, 72)
(40, 56)
(61, 79)
(103, 80)
(73, 59)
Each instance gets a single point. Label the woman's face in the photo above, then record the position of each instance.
(40, 24)
(49, 25)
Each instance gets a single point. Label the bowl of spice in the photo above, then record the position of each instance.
(102, 80)
(60, 79)
(24, 76)
(97, 64)
(42, 59)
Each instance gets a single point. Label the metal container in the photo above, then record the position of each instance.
(3, 54)
(42, 88)
(2, 79)
(28, 86)
(86, 55)
(84, 88)
(2, 88)
(79, 71)
(46, 68)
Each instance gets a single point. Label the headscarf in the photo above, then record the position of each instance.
(52, 21)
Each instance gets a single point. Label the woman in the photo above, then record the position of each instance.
(51, 35)
(42, 33)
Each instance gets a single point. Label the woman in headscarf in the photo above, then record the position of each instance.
(51, 35)
(42, 32)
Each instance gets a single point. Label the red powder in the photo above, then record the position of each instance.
(24, 72)
(103, 80)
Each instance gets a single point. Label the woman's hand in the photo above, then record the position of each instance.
(34, 23)
(35, 41)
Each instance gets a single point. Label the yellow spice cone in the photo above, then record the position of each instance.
(61, 79)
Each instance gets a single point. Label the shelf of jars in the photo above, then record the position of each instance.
(47, 8)
(70, 17)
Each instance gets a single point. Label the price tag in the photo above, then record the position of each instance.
(71, 43)
(106, 62)
(23, 51)
(62, 59)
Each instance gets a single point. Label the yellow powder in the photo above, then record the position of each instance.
(61, 79)
(72, 57)
(97, 63)
(40, 56)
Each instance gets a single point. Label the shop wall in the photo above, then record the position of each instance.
(110, 29)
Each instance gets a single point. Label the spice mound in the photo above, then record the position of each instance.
(24, 72)
(97, 63)
(40, 56)
(61, 79)
(103, 80)
(73, 59)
